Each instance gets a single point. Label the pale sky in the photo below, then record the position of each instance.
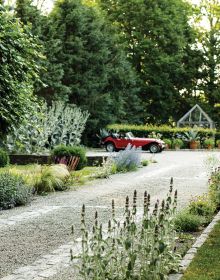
(48, 4)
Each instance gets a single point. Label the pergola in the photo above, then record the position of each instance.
(196, 117)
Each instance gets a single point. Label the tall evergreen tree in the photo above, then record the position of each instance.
(96, 72)
(158, 39)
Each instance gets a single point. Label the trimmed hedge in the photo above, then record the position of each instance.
(167, 132)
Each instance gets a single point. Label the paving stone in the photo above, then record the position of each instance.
(185, 263)
(192, 251)
(189, 256)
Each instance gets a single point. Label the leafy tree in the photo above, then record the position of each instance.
(210, 43)
(20, 54)
(159, 41)
(51, 75)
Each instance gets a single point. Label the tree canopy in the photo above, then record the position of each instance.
(133, 61)
(20, 55)
(158, 39)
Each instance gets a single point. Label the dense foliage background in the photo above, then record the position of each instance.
(131, 61)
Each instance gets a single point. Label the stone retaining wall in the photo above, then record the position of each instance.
(46, 159)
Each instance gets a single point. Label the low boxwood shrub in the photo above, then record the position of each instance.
(67, 151)
(13, 191)
(186, 222)
(4, 158)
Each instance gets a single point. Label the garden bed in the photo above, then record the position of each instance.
(201, 262)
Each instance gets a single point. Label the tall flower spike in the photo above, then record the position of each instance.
(171, 181)
(155, 209)
(145, 202)
(83, 214)
(96, 218)
(113, 209)
(109, 225)
(163, 205)
(175, 195)
(127, 204)
(134, 203)
(135, 197)
(100, 231)
(171, 184)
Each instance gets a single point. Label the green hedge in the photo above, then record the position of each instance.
(62, 150)
(166, 131)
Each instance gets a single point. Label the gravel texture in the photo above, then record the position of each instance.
(32, 234)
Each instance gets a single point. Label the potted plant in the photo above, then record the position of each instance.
(193, 138)
(177, 143)
(209, 143)
(168, 143)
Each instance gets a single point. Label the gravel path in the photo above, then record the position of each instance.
(35, 240)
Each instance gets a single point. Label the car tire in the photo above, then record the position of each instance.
(110, 147)
(154, 148)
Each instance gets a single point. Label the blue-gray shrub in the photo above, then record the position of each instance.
(13, 191)
(128, 159)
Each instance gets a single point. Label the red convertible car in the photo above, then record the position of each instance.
(115, 142)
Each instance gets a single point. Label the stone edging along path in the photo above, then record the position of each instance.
(193, 250)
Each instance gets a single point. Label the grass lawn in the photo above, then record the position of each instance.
(206, 264)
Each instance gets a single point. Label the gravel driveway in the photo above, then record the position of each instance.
(35, 240)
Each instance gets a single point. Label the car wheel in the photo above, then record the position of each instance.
(110, 147)
(154, 148)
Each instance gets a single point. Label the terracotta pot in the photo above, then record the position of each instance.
(219, 146)
(193, 145)
(209, 147)
(167, 146)
(177, 147)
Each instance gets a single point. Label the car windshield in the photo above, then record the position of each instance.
(129, 135)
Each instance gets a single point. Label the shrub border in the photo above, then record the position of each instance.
(187, 259)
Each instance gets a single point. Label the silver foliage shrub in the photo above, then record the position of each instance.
(50, 126)
(128, 159)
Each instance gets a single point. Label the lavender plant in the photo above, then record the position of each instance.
(141, 246)
(127, 160)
